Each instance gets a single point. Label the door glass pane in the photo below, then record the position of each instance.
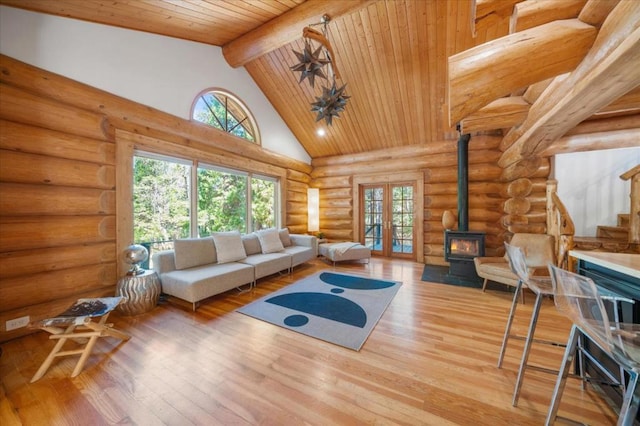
(222, 201)
(373, 204)
(402, 219)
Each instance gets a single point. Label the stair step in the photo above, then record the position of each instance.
(623, 220)
(614, 232)
(603, 244)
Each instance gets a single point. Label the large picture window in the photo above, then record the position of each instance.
(174, 198)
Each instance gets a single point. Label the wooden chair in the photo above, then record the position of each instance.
(539, 252)
(77, 323)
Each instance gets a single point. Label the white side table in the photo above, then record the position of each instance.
(141, 292)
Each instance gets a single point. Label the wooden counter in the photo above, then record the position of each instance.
(628, 264)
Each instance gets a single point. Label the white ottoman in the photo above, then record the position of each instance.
(339, 252)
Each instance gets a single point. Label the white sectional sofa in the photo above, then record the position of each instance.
(198, 268)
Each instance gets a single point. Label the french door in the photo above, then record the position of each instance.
(387, 218)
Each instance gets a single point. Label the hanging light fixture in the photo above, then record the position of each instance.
(333, 99)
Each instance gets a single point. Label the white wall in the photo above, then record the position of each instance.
(589, 185)
(157, 71)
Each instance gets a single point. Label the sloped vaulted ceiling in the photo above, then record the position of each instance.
(411, 64)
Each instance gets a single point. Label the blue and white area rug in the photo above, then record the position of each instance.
(337, 308)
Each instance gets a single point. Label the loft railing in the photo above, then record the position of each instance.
(559, 224)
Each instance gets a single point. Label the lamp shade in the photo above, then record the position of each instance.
(313, 209)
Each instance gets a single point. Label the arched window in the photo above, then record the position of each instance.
(224, 111)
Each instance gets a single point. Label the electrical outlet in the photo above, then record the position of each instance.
(17, 323)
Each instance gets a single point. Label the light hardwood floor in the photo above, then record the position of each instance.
(430, 360)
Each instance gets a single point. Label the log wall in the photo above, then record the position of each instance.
(62, 224)
(65, 213)
(491, 207)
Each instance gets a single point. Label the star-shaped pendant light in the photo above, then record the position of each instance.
(311, 63)
(330, 104)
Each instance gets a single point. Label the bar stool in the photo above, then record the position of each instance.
(578, 298)
(79, 326)
(540, 286)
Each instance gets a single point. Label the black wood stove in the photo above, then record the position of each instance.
(461, 246)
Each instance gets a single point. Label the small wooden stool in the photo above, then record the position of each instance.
(81, 314)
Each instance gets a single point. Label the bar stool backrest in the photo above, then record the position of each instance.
(576, 296)
(517, 262)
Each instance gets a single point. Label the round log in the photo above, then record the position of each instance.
(335, 193)
(336, 213)
(451, 188)
(25, 199)
(294, 196)
(27, 262)
(22, 167)
(25, 107)
(338, 234)
(341, 224)
(298, 176)
(434, 237)
(297, 208)
(295, 186)
(515, 219)
(522, 169)
(296, 219)
(333, 182)
(519, 188)
(517, 206)
(36, 140)
(20, 291)
(331, 203)
(35, 232)
(537, 217)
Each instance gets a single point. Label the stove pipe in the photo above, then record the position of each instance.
(463, 182)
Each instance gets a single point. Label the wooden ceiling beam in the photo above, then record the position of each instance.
(532, 13)
(284, 29)
(596, 11)
(495, 69)
(499, 114)
(486, 8)
(609, 124)
(627, 138)
(608, 72)
(628, 102)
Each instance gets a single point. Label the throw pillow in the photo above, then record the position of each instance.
(251, 244)
(229, 246)
(284, 237)
(190, 252)
(270, 240)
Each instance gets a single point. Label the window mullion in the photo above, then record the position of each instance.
(194, 231)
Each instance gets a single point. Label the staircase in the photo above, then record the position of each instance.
(609, 238)
(625, 237)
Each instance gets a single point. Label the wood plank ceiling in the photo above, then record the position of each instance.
(393, 55)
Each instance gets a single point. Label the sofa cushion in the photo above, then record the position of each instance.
(267, 264)
(284, 237)
(190, 252)
(251, 244)
(229, 246)
(270, 240)
(198, 283)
